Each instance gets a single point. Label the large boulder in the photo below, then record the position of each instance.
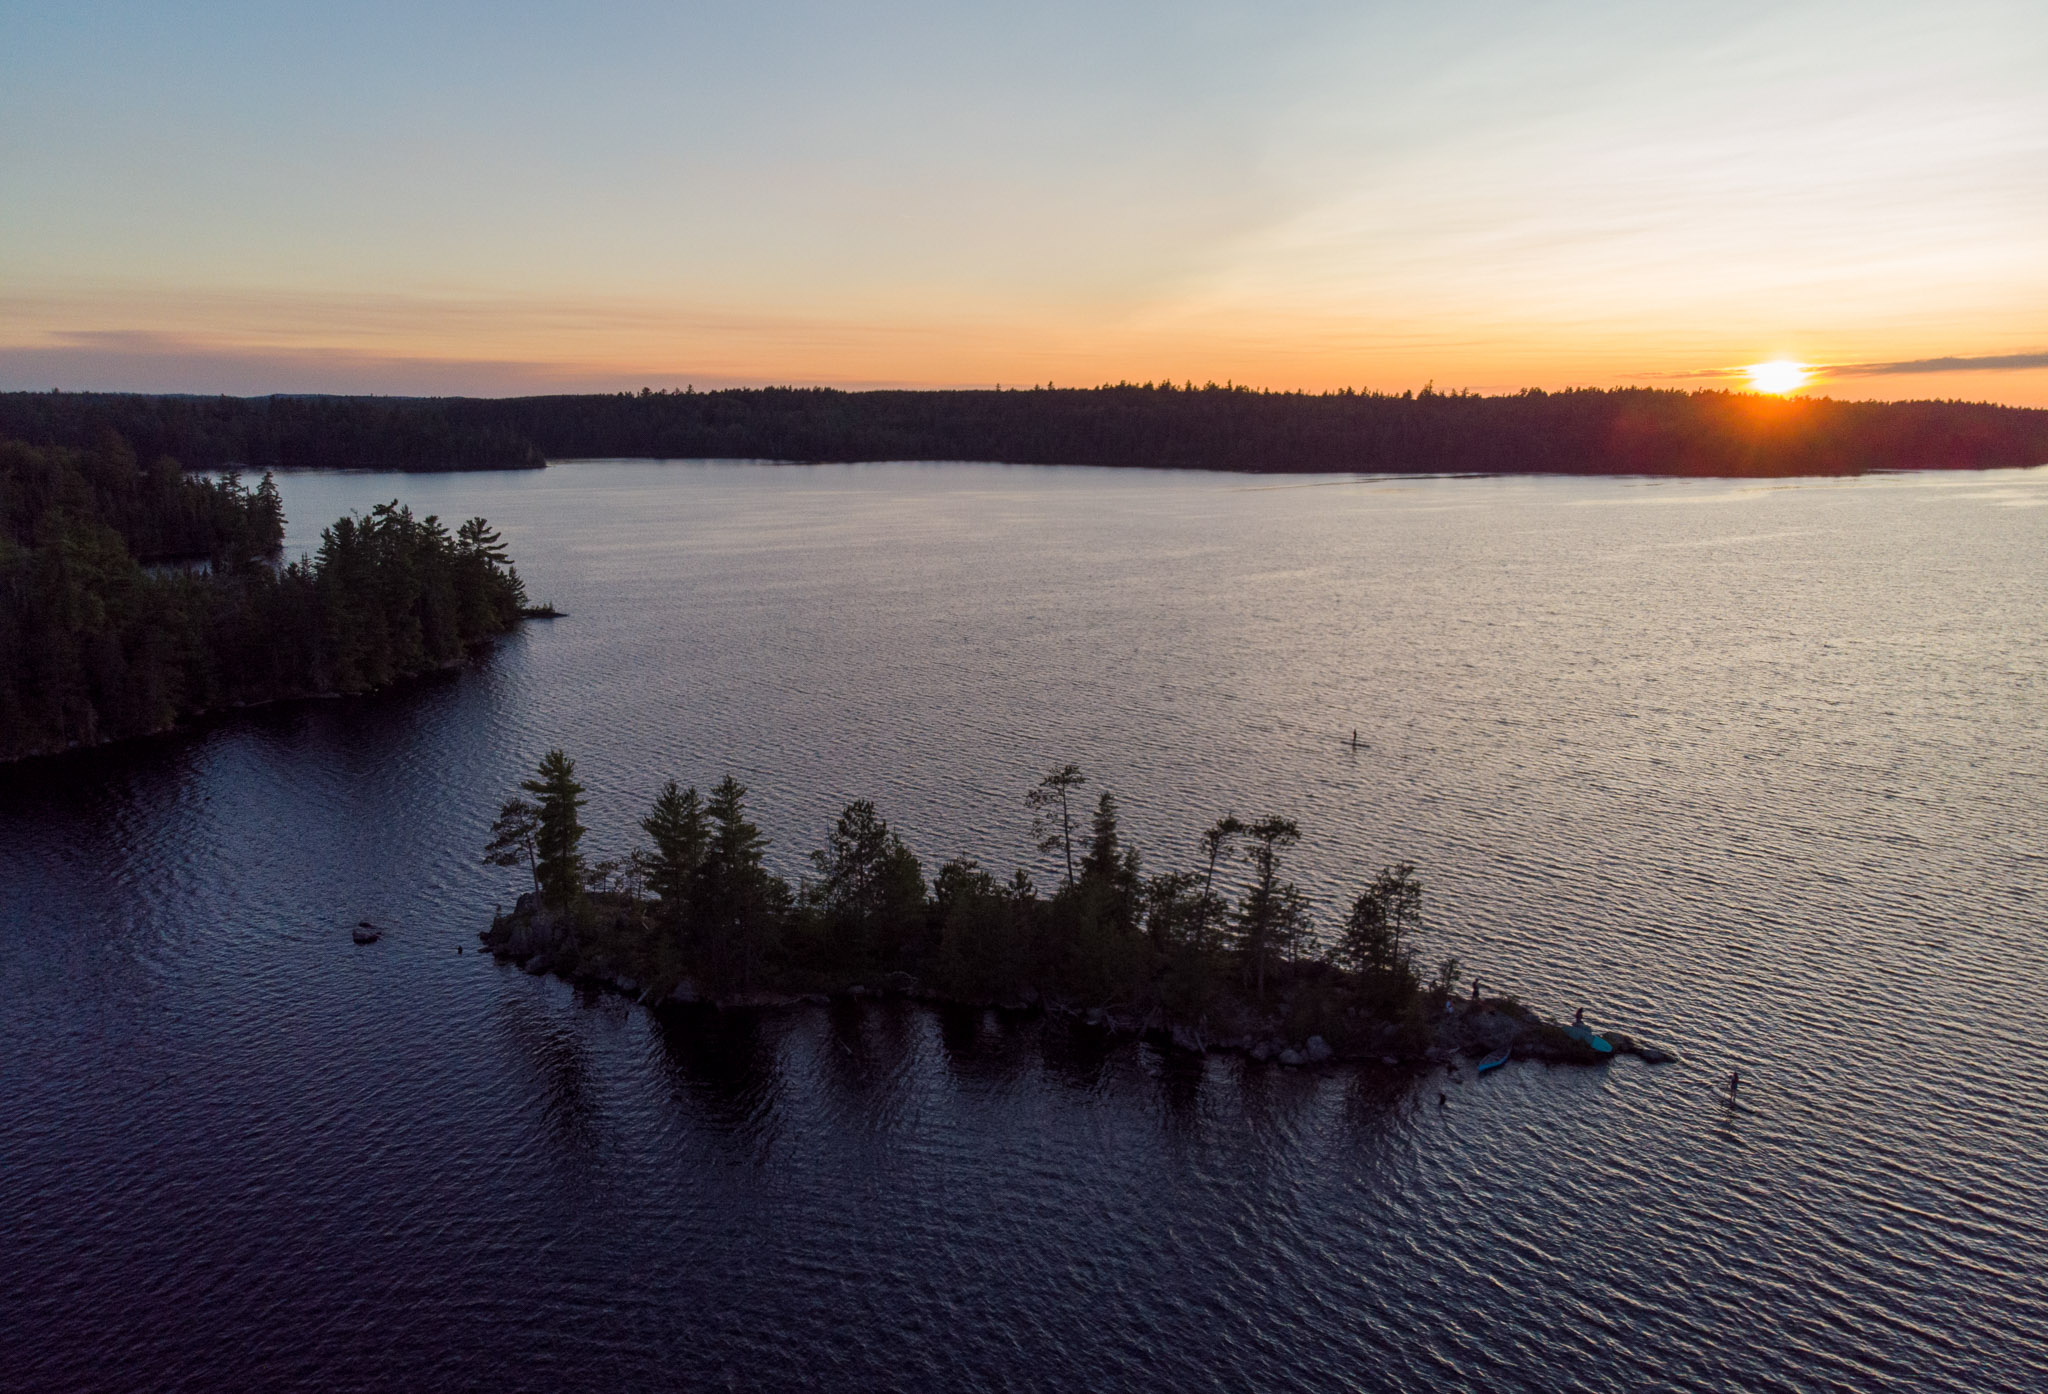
(542, 931)
(1317, 1050)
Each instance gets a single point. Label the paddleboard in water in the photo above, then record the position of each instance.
(1491, 1062)
(1585, 1034)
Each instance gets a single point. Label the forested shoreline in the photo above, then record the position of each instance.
(1221, 953)
(1149, 425)
(135, 598)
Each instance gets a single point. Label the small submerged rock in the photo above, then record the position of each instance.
(366, 933)
(1629, 1045)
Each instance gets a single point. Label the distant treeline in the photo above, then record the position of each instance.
(134, 597)
(1583, 431)
(275, 433)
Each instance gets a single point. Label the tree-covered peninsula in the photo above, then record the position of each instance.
(134, 598)
(1221, 953)
(1135, 425)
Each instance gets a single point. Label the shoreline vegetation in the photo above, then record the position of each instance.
(1633, 431)
(1218, 956)
(135, 599)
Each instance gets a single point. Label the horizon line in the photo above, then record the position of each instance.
(1428, 390)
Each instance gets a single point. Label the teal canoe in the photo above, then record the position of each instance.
(1491, 1062)
(1585, 1035)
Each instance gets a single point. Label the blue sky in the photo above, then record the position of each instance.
(511, 197)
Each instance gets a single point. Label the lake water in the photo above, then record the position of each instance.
(1755, 770)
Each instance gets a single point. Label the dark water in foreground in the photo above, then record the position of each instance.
(1754, 770)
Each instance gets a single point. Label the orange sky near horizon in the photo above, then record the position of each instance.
(504, 199)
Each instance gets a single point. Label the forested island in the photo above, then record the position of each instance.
(135, 598)
(1218, 955)
(1158, 425)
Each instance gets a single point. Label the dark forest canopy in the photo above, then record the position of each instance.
(134, 597)
(1223, 943)
(1582, 431)
(1221, 952)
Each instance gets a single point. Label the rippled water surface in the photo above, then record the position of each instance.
(1756, 770)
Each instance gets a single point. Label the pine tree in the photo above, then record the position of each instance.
(1111, 869)
(1382, 914)
(677, 826)
(1274, 913)
(872, 894)
(512, 838)
(266, 518)
(1212, 911)
(1051, 794)
(558, 864)
(1104, 857)
(734, 902)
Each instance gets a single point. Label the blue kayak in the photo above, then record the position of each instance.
(1491, 1062)
(1585, 1035)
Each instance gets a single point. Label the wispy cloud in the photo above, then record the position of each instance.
(120, 360)
(1981, 363)
(139, 361)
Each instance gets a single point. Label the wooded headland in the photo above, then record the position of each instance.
(134, 598)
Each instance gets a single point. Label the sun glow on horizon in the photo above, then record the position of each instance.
(1777, 377)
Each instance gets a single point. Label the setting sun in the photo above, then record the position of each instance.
(1777, 376)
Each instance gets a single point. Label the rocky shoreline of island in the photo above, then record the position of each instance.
(1473, 1030)
(1457, 1028)
(1464, 1028)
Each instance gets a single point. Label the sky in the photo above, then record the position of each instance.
(513, 197)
